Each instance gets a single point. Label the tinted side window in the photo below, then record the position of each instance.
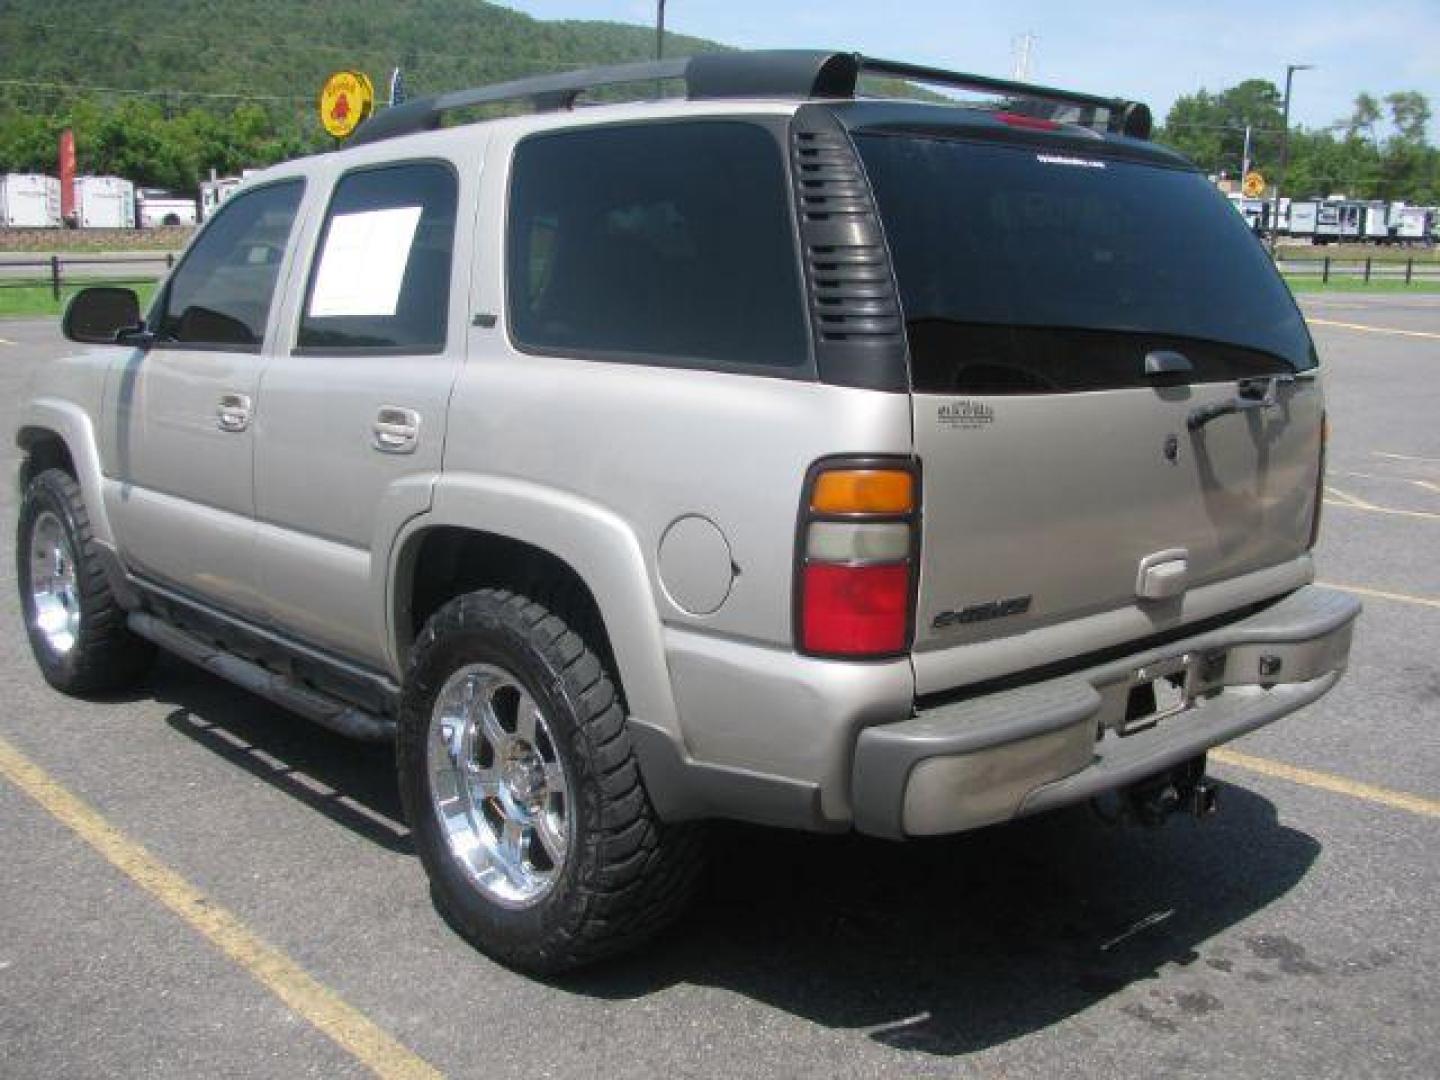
(381, 277)
(662, 243)
(220, 296)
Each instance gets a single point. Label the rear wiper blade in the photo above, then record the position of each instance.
(1262, 392)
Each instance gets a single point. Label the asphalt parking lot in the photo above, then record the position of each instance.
(280, 924)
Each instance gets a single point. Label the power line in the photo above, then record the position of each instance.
(40, 85)
(1238, 129)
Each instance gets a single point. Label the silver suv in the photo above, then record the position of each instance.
(768, 453)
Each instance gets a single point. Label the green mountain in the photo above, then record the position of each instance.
(162, 91)
(283, 49)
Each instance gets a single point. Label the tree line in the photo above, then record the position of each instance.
(152, 146)
(1380, 151)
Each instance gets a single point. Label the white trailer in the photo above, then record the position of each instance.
(1339, 219)
(1256, 212)
(155, 207)
(104, 202)
(1376, 221)
(217, 189)
(29, 201)
(1303, 213)
(1411, 224)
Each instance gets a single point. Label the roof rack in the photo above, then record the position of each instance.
(784, 73)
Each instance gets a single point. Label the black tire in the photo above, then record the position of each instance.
(105, 656)
(626, 875)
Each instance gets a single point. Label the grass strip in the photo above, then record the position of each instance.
(34, 299)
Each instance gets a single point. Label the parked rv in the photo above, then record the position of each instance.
(1303, 215)
(155, 207)
(104, 202)
(1411, 224)
(29, 201)
(1339, 220)
(217, 189)
(1376, 218)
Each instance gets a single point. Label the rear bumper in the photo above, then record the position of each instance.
(999, 756)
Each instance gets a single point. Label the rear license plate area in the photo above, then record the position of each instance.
(1157, 691)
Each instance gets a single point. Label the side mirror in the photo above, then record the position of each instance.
(101, 315)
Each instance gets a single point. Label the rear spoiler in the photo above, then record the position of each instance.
(783, 73)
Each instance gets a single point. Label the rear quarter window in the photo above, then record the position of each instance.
(666, 244)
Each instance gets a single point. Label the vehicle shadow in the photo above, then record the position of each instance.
(351, 783)
(941, 946)
(952, 946)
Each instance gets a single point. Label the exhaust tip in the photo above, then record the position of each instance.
(1204, 799)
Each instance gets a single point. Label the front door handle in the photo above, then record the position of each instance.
(396, 430)
(234, 412)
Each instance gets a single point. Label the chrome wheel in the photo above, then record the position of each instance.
(54, 585)
(498, 786)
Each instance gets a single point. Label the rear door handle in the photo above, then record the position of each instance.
(396, 430)
(234, 412)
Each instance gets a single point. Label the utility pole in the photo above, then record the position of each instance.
(1023, 44)
(1245, 157)
(1290, 70)
(659, 29)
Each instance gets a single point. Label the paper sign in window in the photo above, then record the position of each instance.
(363, 264)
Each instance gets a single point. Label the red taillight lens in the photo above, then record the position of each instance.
(855, 583)
(856, 610)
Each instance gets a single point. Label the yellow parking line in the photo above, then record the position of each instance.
(1344, 498)
(1396, 800)
(1380, 594)
(1426, 484)
(1374, 329)
(1406, 457)
(1350, 502)
(346, 1026)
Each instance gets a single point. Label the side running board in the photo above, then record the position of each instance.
(312, 705)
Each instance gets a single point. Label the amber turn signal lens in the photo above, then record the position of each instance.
(863, 491)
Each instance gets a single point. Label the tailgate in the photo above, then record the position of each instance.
(1041, 509)
(1114, 395)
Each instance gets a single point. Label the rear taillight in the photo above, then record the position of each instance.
(858, 541)
(1319, 480)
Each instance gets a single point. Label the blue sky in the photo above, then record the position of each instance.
(1152, 51)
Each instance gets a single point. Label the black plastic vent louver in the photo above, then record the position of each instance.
(855, 313)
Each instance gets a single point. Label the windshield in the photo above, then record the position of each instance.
(1024, 270)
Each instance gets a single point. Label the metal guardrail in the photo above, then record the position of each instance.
(1366, 269)
(54, 269)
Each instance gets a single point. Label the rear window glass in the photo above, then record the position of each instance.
(1027, 271)
(658, 243)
